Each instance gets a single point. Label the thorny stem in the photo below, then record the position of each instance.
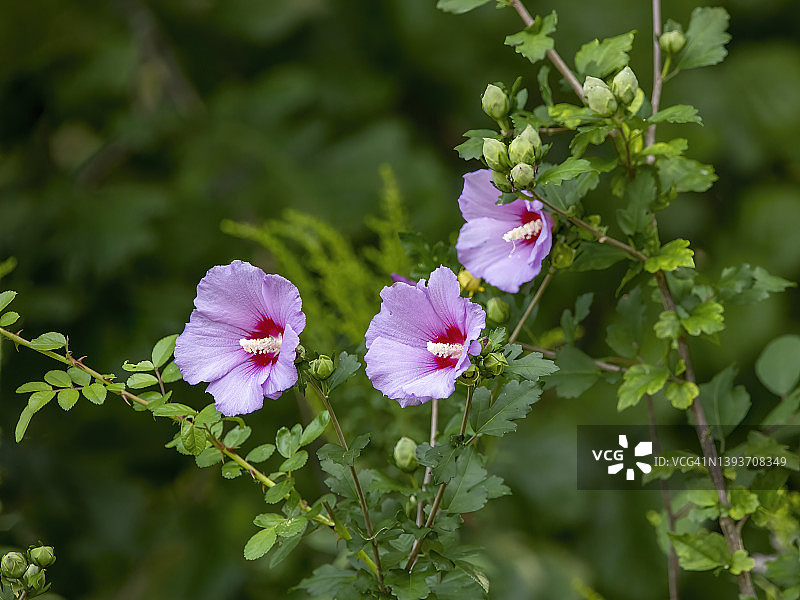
(427, 478)
(437, 501)
(552, 55)
(359, 492)
(533, 302)
(673, 566)
(658, 76)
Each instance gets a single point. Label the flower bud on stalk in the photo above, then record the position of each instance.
(34, 577)
(497, 310)
(562, 255)
(495, 102)
(43, 556)
(526, 147)
(598, 97)
(299, 354)
(522, 176)
(13, 565)
(470, 377)
(501, 182)
(321, 367)
(495, 363)
(496, 155)
(405, 454)
(672, 41)
(624, 85)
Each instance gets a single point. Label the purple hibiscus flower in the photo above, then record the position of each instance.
(242, 336)
(420, 341)
(505, 245)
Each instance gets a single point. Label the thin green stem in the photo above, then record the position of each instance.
(536, 297)
(427, 477)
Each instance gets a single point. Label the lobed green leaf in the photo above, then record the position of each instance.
(533, 42)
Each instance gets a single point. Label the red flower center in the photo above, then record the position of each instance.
(445, 348)
(264, 330)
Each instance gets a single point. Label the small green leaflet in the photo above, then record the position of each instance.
(680, 113)
(640, 380)
(681, 394)
(346, 367)
(163, 349)
(570, 169)
(471, 488)
(684, 174)
(339, 455)
(531, 366)
(408, 586)
(701, 551)
(458, 7)
(258, 545)
(705, 38)
(533, 42)
(6, 298)
(326, 580)
(778, 366)
(577, 372)
(599, 59)
(706, 318)
(49, 341)
(513, 403)
(473, 147)
(672, 255)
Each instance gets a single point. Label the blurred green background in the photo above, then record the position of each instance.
(130, 129)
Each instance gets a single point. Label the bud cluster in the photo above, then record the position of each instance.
(605, 100)
(25, 573)
(514, 166)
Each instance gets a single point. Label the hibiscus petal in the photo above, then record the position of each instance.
(206, 349)
(239, 391)
(232, 294)
(479, 199)
(282, 303)
(406, 316)
(283, 373)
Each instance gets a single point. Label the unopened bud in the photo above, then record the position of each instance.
(486, 344)
(526, 147)
(495, 363)
(43, 556)
(501, 181)
(468, 282)
(405, 454)
(410, 507)
(624, 85)
(522, 176)
(322, 367)
(497, 310)
(495, 102)
(562, 255)
(34, 577)
(470, 377)
(592, 82)
(496, 155)
(599, 97)
(299, 353)
(13, 565)
(672, 41)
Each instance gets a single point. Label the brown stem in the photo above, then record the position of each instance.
(552, 55)
(673, 566)
(533, 302)
(658, 78)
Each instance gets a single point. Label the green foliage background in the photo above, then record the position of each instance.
(131, 129)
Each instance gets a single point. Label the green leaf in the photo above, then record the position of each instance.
(49, 341)
(193, 438)
(624, 335)
(473, 147)
(268, 520)
(171, 373)
(593, 256)
(278, 492)
(316, 428)
(725, 405)
(231, 470)
(237, 436)
(747, 285)
(142, 366)
(701, 551)
(326, 580)
(706, 318)
(34, 386)
(544, 85)
(570, 320)
(533, 42)
(174, 409)
(758, 445)
(570, 169)
(570, 192)
(705, 38)
(141, 380)
(683, 174)
(674, 147)
(285, 548)
(671, 256)
(208, 416)
(163, 350)
(464, 493)
(408, 586)
(6, 298)
(639, 195)
(595, 134)
(95, 393)
(741, 562)
(208, 457)
(23, 422)
(291, 527)
(577, 372)
(39, 399)
(681, 394)
(531, 366)
(79, 376)
(785, 412)
(67, 398)
(600, 59)
(680, 113)
(778, 366)
(339, 455)
(458, 7)
(287, 441)
(570, 115)
(640, 380)
(295, 461)
(441, 458)
(347, 366)
(668, 326)
(260, 453)
(513, 403)
(458, 585)
(258, 545)
(58, 379)
(743, 502)
(8, 318)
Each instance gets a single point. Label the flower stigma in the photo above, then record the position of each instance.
(265, 345)
(527, 231)
(445, 350)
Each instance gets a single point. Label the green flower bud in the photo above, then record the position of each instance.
(501, 182)
(34, 577)
(299, 354)
(522, 176)
(672, 41)
(600, 99)
(486, 344)
(495, 102)
(405, 454)
(322, 367)
(496, 155)
(13, 565)
(495, 363)
(624, 85)
(470, 377)
(410, 507)
(497, 310)
(562, 255)
(526, 147)
(591, 83)
(43, 556)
